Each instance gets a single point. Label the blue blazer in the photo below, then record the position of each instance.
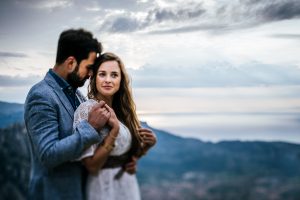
(54, 144)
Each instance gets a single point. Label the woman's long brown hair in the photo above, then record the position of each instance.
(123, 103)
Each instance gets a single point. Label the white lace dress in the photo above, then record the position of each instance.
(103, 185)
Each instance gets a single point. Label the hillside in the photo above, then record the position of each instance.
(10, 113)
(181, 168)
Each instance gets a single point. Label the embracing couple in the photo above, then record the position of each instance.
(84, 149)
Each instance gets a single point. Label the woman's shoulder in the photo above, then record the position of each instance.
(83, 109)
(86, 106)
(123, 127)
(88, 103)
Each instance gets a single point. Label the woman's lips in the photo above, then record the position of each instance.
(107, 87)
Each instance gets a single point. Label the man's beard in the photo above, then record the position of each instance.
(74, 80)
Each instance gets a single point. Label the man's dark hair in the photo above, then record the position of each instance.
(78, 43)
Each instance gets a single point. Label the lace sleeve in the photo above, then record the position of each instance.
(80, 114)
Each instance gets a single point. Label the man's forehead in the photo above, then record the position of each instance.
(92, 56)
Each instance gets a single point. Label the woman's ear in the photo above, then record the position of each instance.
(71, 63)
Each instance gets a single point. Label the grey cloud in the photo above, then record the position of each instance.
(119, 4)
(252, 74)
(180, 18)
(193, 17)
(160, 15)
(129, 5)
(250, 2)
(256, 12)
(121, 24)
(11, 54)
(286, 36)
(129, 23)
(250, 13)
(281, 10)
(60, 4)
(186, 29)
(45, 4)
(15, 81)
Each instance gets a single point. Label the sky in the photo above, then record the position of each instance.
(209, 69)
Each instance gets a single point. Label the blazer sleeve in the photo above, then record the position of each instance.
(41, 119)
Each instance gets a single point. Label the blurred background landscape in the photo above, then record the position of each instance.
(218, 81)
(177, 168)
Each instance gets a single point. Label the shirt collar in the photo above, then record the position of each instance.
(61, 82)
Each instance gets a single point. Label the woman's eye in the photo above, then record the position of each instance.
(101, 74)
(114, 75)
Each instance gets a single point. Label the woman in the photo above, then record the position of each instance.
(124, 139)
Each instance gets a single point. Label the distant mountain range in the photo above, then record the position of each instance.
(180, 168)
(10, 113)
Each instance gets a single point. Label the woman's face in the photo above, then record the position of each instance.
(108, 78)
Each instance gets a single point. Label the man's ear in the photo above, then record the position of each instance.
(71, 63)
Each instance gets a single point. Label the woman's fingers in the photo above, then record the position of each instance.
(131, 166)
(107, 107)
(145, 130)
(148, 138)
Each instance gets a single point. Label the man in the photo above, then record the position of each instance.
(49, 110)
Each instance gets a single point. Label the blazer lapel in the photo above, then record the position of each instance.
(60, 94)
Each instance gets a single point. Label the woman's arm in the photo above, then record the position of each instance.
(96, 161)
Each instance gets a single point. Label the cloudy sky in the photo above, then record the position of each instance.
(211, 69)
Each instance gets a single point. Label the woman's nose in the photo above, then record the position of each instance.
(107, 79)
